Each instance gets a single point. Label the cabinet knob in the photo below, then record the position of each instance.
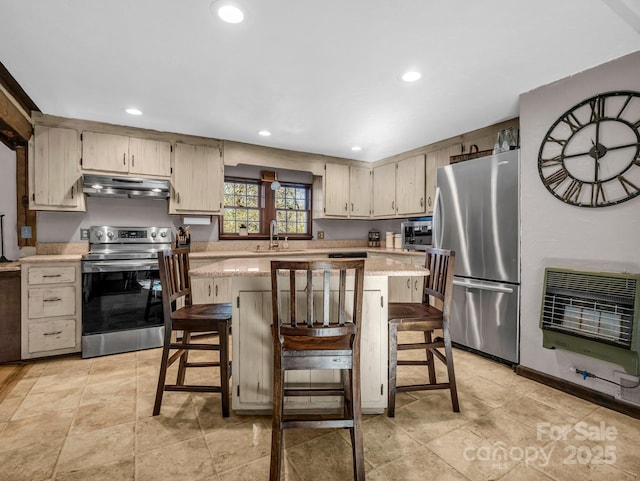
(351, 206)
(216, 291)
(209, 290)
(345, 207)
(133, 160)
(429, 201)
(421, 201)
(124, 159)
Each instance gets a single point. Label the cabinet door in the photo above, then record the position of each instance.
(201, 291)
(149, 157)
(360, 192)
(105, 152)
(198, 180)
(54, 176)
(255, 377)
(384, 191)
(400, 289)
(410, 186)
(221, 290)
(436, 159)
(336, 190)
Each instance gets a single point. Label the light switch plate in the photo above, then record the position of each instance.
(25, 232)
(84, 234)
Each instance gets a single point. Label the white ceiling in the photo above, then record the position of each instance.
(322, 76)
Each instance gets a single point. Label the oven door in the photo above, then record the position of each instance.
(121, 306)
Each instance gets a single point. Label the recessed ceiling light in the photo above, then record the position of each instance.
(264, 133)
(230, 14)
(411, 76)
(356, 148)
(133, 111)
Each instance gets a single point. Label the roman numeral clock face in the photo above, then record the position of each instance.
(590, 157)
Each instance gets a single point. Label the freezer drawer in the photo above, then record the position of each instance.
(485, 317)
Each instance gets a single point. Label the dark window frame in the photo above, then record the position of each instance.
(268, 211)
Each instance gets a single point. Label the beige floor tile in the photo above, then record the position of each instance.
(36, 429)
(122, 470)
(564, 402)
(71, 364)
(326, 458)
(99, 415)
(8, 407)
(39, 403)
(103, 372)
(497, 427)
(258, 471)
(416, 465)
(488, 391)
(208, 408)
(235, 445)
(523, 472)
(34, 462)
(23, 387)
(184, 461)
(95, 448)
(175, 423)
(530, 411)
(106, 391)
(59, 381)
(474, 456)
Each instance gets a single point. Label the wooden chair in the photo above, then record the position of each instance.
(327, 337)
(191, 318)
(425, 317)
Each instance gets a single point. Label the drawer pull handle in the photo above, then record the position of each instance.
(52, 333)
(52, 275)
(53, 299)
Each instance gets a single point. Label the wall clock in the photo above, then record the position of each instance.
(590, 157)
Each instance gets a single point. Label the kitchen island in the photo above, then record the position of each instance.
(252, 344)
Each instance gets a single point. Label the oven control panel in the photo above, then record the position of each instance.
(129, 235)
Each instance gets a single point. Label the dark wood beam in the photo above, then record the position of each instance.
(15, 128)
(25, 216)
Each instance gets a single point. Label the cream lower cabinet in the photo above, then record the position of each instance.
(211, 291)
(54, 170)
(406, 288)
(253, 351)
(51, 309)
(198, 180)
(122, 154)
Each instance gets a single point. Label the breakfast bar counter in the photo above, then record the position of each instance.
(252, 359)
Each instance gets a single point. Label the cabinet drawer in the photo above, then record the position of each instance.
(51, 302)
(51, 275)
(52, 335)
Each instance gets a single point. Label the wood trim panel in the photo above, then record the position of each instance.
(582, 392)
(15, 128)
(25, 216)
(14, 89)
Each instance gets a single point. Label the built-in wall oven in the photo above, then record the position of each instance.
(121, 292)
(417, 234)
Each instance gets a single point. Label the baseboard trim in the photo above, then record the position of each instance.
(601, 399)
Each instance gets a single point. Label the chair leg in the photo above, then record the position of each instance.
(391, 369)
(448, 352)
(431, 367)
(163, 371)
(276, 423)
(223, 338)
(357, 437)
(184, 358)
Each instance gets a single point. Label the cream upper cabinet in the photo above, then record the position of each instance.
(336, 190)
(410, 186)
(54, 173)
(436, 159)
(198, 180)
(125, 155)
(384, 190)
(347, 191)
(360, 192)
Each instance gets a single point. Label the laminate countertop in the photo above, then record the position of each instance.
(261, 267)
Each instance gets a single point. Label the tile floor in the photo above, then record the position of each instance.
(71, 419)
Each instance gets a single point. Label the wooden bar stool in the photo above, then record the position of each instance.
(327, 337)
(191, 318)
(425, 317)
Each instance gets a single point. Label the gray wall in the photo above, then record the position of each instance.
(8, 205)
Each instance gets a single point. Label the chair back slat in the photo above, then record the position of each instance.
(330, 318)
(440, 263)
(173, 269)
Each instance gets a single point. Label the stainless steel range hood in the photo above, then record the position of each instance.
(124, 187)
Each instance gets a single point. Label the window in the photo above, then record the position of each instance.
(252, 204)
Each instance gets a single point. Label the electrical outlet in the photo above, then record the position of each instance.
(84, 234)
(25, 232)
(320, 234)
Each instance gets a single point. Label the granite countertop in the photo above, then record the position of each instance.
(261, 267)
(52, 258)
(293, 251)
(10, 266)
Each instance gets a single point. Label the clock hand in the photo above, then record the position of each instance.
(635, 144)
(569, 156)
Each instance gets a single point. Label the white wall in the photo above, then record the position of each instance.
(557, 234)
(8, 205)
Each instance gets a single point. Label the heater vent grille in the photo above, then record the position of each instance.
(590, 305)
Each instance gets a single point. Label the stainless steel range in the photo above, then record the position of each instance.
(121, 292)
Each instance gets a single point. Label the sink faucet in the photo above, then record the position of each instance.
(273, 232)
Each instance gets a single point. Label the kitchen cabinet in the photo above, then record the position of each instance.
(55, 182)
(197, 181)
(252, 377)
(436, 159)
(125, 155)
(9, 316)
(51, 308)
(384, 190)
(406, 288)
(211, 291)
(347, 191)
(410, 186)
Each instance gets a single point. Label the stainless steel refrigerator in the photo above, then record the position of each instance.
(477, 215)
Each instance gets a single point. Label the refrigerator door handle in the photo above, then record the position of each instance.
(438, 220)
(485, 287)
